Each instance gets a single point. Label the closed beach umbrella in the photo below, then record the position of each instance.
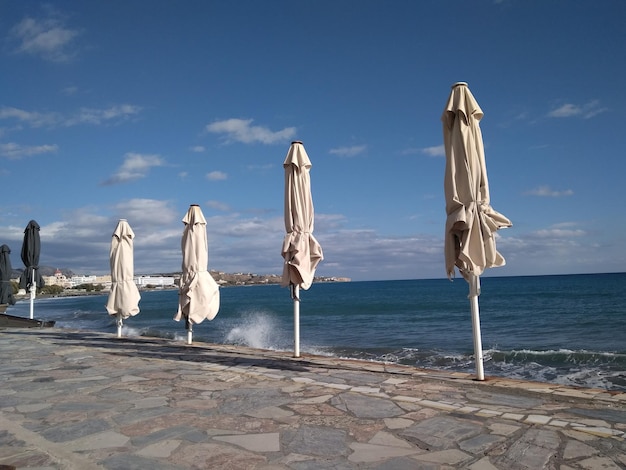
(198, 295)
(31, 249)
(301, 251)
(6, 291)
(471, 222)
(123, 301)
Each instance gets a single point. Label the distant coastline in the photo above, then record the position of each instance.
(245, 279)
(223, 280)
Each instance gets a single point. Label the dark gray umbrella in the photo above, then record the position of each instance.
(6, 291)
(31, 248)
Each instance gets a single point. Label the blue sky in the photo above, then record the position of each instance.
(133, 109)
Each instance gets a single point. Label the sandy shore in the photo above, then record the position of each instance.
(81, 400)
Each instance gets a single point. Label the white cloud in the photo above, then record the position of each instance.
(216, 176)
(135, 166)
(217, 205)
(559, 249)
(241, 243)
(33, 118)
(437, 151)
(93, 116)
(348, 151)
(197, 149)
(100, 116)
(16, 151)
(69, 90)
(558, 233)
(366, 253)
(241, 130)
(546, 191)
(566, 110)
(265, 167)
(585, 111)
(147, 212)
(82, 239)
(564, 225)
(47, 38)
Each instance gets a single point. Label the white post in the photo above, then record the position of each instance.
(33, 287)
(119, 325)
(189, 332)
(296, 321)
(478, 345)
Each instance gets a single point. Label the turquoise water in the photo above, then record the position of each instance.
(563, 329)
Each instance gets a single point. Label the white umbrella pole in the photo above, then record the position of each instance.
(189, 332)
(296, 321)
(32, 295)
(478, 345)
(119, 325)
(32, 302)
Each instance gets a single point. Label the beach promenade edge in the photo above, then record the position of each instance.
(83, 399)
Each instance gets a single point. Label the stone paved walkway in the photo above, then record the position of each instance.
(82, 400)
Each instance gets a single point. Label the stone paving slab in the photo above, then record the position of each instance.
(84, 400)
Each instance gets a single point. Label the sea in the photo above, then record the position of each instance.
(564, 329)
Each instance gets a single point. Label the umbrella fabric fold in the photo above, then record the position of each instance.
(6, 290)
(471, 223)
(301, 251)
(123, 300)
(199, 296)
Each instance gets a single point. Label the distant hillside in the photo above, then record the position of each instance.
(224, 279)
(44, 270)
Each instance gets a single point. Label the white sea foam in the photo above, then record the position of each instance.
(256, 330)
(131, 332)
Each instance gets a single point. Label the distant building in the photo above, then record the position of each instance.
(157, 281)
(104, 281)
(59, 279)
(78, 280)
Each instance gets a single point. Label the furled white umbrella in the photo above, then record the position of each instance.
(471, 223)
(198, 295)
(301, 251)
(123, 301)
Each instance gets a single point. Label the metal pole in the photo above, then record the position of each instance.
(32, 294)
(189, 332)
(296, 321)
(119, 325)
(478, 345)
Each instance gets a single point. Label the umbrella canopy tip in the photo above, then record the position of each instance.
(459, 84)
(296, 142)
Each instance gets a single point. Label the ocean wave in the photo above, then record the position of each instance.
(559, 357)
(603, 370)
(257, 330)
(545, 341)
